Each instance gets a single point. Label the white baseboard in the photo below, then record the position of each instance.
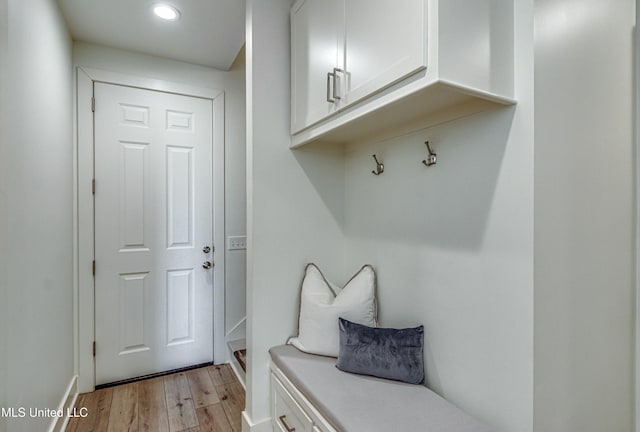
(67, 403)
(249, 426)
(240, 374)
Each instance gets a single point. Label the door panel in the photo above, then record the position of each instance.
(153, 216)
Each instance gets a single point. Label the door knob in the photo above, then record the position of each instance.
(207, 264)
(206, 249)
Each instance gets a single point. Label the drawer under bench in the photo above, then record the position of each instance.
(291, 413)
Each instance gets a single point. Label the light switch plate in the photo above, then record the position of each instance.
(236, 243)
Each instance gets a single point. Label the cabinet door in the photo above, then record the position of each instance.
(317, 34)
(385, 41)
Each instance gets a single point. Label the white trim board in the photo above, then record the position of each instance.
(59, 424)
(83, 202)
(237, 371)
(110, 77)
(249, 426)
(636, 131)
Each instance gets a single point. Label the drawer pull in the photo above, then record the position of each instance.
(329, 75)
(284, 423)
(335, 82)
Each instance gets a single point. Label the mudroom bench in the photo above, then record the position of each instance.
(309, 394)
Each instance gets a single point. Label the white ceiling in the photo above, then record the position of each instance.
(209, 32)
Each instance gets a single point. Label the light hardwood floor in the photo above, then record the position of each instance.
(208, 399)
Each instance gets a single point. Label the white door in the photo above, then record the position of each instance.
(317, 35)
(153, 220)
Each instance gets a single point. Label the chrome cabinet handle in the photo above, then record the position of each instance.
(329, 75)
(335, 81)
(207, 264)
(284, 423)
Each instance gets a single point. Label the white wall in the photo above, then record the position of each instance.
(453, 246)
(584, 232)
(294, 201)
(637, 215)
(236, 198)
(38, 158)
(232, 82)
(4, 227)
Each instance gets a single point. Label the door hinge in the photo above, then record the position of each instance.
(93, 104)
(94, 348)
(93, 186)
(94, 267)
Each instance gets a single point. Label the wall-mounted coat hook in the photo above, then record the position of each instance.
(379, 167)
(432, 158)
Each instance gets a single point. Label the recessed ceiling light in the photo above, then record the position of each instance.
(166, 12)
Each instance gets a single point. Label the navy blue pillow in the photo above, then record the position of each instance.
(395, 354)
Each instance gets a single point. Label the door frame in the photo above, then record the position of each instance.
(83, 245)
(636, 137)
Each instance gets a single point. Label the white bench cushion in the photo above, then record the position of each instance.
(357, 403)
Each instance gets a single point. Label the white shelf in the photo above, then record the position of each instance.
(399, 111)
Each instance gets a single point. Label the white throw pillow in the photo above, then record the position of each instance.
(322, 303)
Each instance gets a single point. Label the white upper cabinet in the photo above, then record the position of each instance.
(366, 68)
(385, 41)
(317, 47)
